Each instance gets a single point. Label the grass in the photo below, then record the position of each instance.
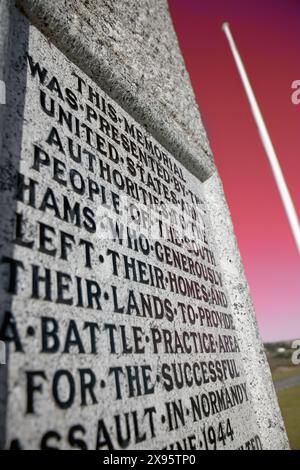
(285, 372)
(289, 402)
(289, 399)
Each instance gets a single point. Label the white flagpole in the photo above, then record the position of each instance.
(266, 140)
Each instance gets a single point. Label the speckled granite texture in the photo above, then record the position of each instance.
(4, 46)
(256, 367)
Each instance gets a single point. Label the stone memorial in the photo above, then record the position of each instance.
(125, 312)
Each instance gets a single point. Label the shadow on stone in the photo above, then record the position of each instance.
(11, 139)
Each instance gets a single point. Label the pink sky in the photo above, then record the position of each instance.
(268, 37)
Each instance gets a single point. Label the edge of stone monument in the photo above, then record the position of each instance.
(5, 7)
(9, 162)
(257, 370)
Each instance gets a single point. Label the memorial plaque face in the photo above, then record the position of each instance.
(114, 309)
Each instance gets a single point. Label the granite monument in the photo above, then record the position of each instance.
(125, 311)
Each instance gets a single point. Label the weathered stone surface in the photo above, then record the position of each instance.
(131, 50)
(265, 404)
(4, 60)
(67, 337)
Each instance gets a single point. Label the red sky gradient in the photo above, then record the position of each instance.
(267, 34)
